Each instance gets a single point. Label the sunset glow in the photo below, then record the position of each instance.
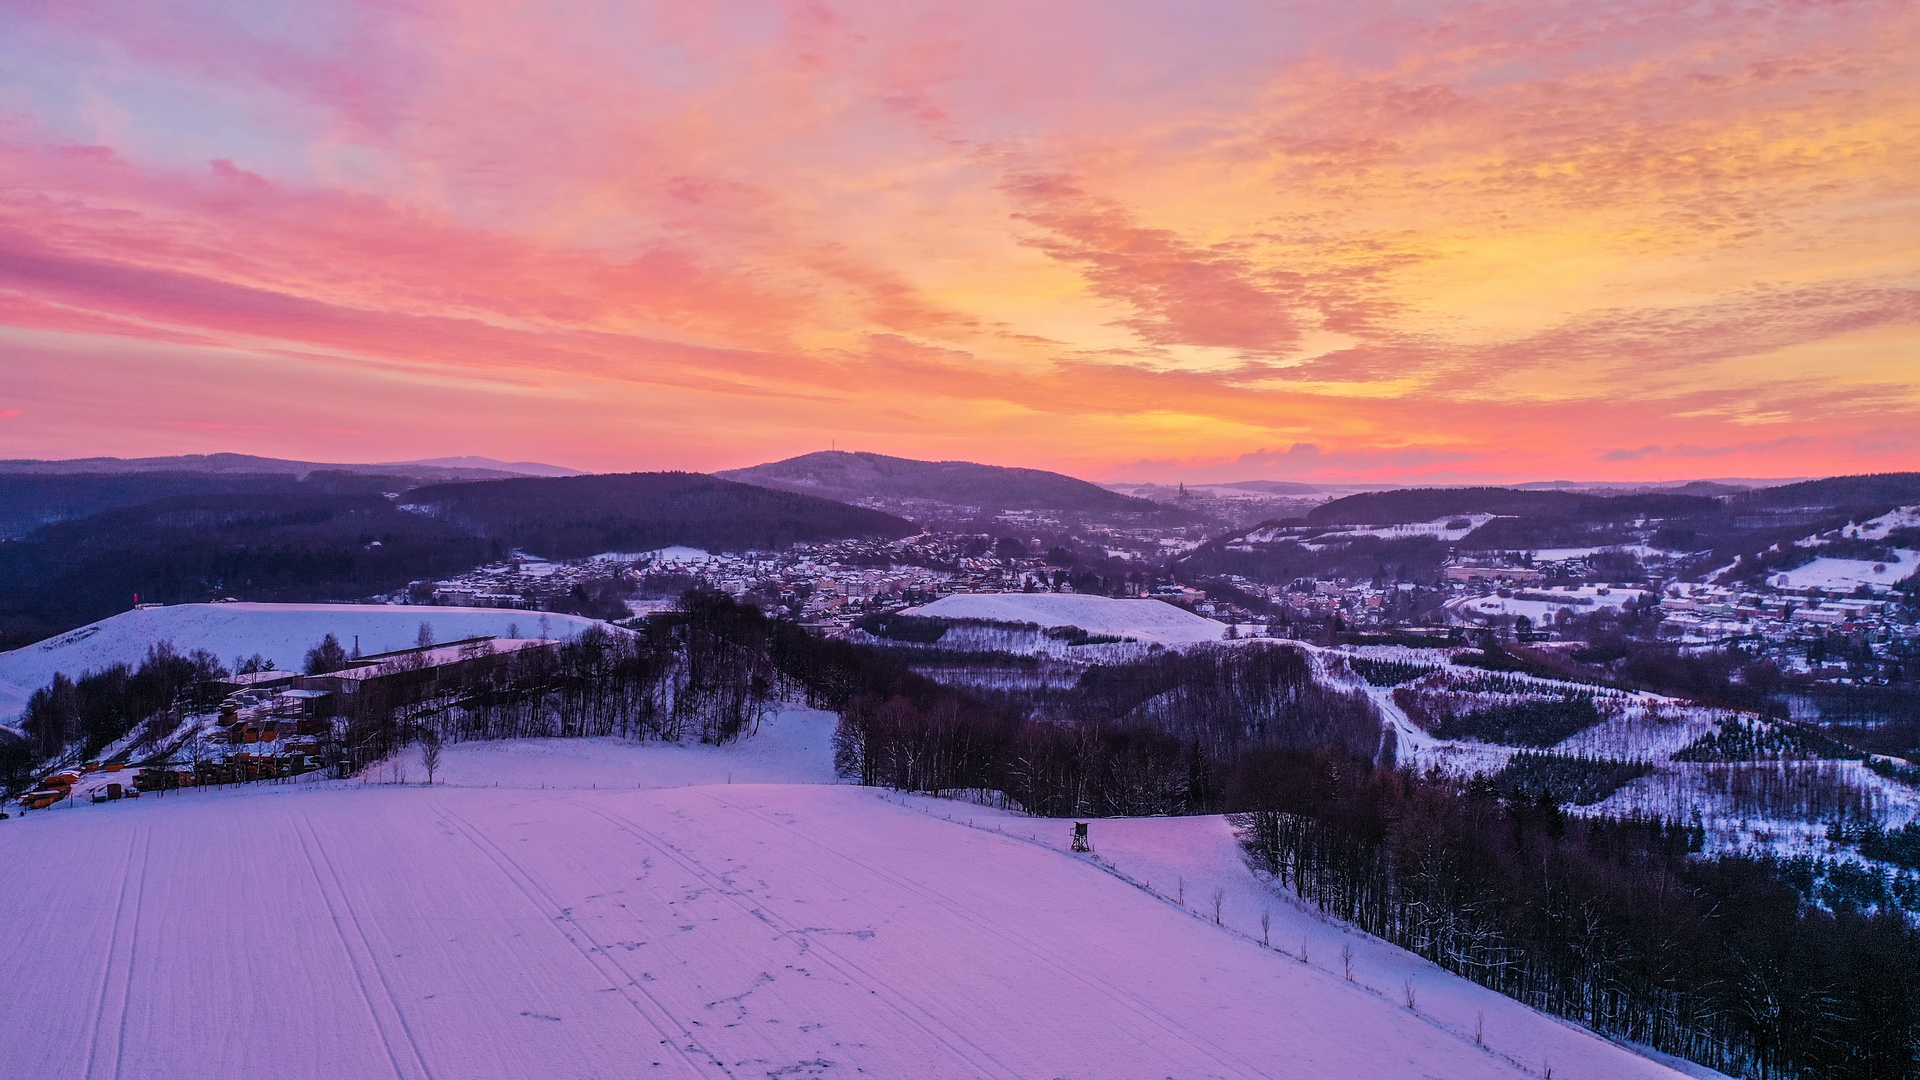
(1434, 241)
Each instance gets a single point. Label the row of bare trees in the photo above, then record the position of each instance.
(704, 671)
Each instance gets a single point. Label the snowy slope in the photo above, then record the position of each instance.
(780, 931)
(1845, 575)
(794, 746)
(1906, 517)
(1146, 620)
(281, 632)
(1187, 861)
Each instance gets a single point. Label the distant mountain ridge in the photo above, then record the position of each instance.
(850, 476)
(450, 468)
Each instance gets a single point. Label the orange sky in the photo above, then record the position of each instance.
(1356, 241)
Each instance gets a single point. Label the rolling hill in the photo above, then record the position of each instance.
(572, 517)
(903, 485)
(314, 541)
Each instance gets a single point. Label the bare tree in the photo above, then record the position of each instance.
(424, 638)
(430, 755)
(1219, 898)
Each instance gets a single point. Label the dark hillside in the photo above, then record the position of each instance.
(1429, 504)
(845, 475)
(575, 516)
(284, 547)
(30, 500)
(1875, 490)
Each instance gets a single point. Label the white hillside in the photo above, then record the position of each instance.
(281, 632)
(1145, 620)
(710, 931)
(1846, 575)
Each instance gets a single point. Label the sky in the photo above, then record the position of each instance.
(1445, 242)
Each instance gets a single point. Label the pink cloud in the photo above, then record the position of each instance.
(1467, 236)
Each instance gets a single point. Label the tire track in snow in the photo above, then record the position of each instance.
(969, 1052)
(97, 1030)
(133, 951)
(380, 1026)
(553, 913)
(1125, 999)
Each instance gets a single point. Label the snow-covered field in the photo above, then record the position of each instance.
(1144, 620)
(742, 930)
(280, 632)
(793, 747)
(1581, 600)
(1905, 517)
(1846, 575)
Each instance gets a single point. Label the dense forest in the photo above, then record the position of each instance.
(1620, 925)
(289, 547)
(576, 516)
(1431, 504)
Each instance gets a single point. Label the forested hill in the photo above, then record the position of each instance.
(1429, 504)
(1878, 491)
(334, 537)
(575, 516)
(847, 476)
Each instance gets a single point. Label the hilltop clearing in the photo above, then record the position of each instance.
(721, 930)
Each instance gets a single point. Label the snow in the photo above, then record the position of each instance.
(281, 632)
(722, 930)
(1438, 528)
(794, 746)
(1562, 554)
(1845, 575)
(680, 554)
(1906, 517)
(1145, 620)
(1184, 861)
(1583, 600)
